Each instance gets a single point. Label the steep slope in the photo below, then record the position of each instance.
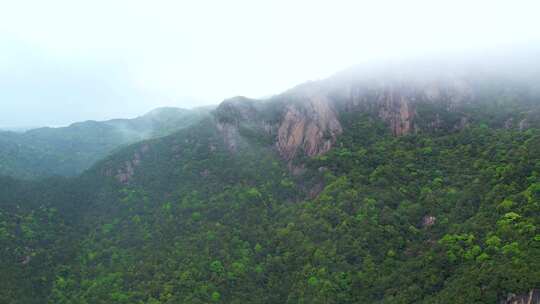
(305, 121)
(69, 150)
(347, 190)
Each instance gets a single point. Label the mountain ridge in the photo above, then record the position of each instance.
(69, 150)
(331, 192)
(306, 117)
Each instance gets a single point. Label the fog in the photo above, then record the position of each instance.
(67, 61)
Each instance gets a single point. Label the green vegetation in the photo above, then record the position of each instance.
(70, 150)
(450, 217)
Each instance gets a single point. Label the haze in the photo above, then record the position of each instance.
(67, 61)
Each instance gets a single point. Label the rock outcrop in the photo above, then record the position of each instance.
(310, 126)
(428, 221)
(396, 101)
(306, 120)
(302, 122)
(125, 173)
(234, 113)
(532, 297)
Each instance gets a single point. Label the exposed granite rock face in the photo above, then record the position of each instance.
(305, 120)
(398, 112)
(232, 114)
(301, 122)
(310, 126)
(236, 110)
(230, 134)
(509, 123)
(396, 101)
(125, 173)
(428, 221)
(532, 297)
(523, 124)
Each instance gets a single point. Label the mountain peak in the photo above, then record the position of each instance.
(307, 119)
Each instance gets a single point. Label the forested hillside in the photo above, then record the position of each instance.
(340, 191)
(67, 151)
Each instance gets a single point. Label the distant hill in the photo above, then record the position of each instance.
(67, 151)
(398, 186)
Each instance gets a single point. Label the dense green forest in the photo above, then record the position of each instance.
(423, 218)
(438, 215)
(68, 151)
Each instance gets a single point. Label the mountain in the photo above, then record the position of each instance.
(405, 183)
(410, 99)
(67, 151)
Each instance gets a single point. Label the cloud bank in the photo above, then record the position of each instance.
(64, 61)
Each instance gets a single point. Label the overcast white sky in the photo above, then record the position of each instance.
(65, 61)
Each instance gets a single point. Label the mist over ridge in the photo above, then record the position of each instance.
(270, 152)
(61, 64)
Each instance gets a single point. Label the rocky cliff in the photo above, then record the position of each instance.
(301, 122)
(306, 119)
(532, 297)
(309, 125)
